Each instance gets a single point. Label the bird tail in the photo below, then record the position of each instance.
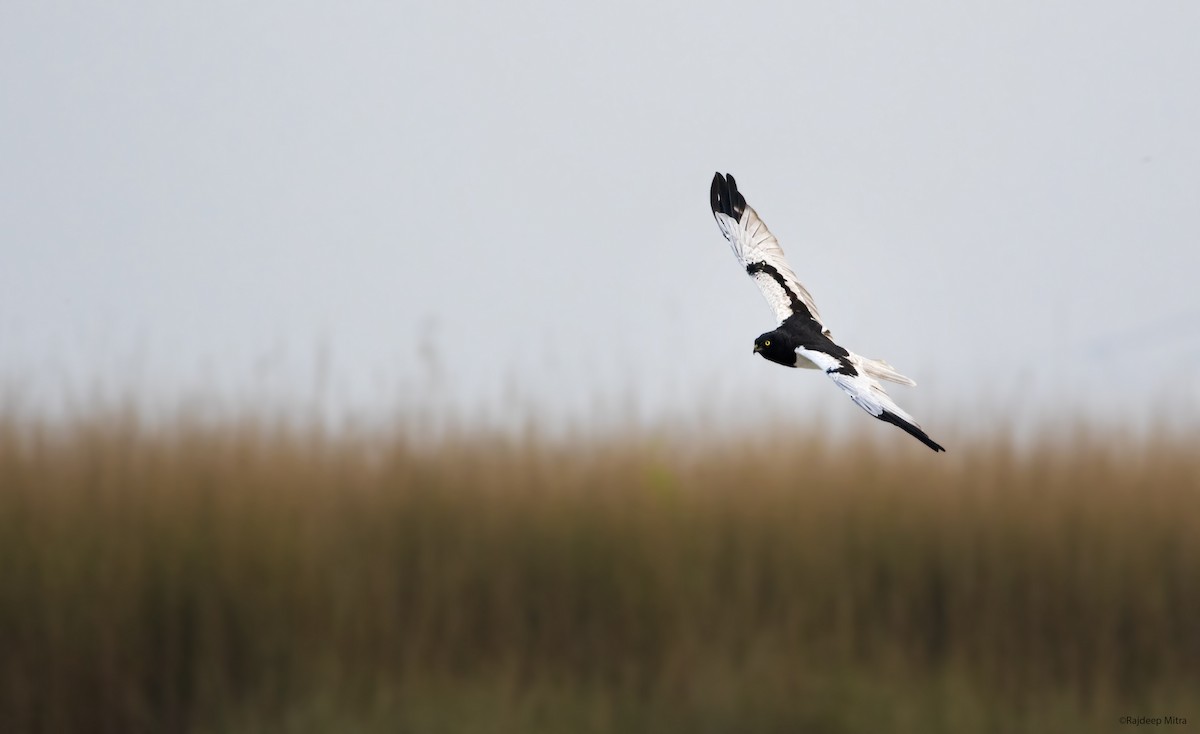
(879, 369)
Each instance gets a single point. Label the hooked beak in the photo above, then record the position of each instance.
(757, 348)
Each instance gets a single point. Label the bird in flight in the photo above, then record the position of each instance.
(801, 339)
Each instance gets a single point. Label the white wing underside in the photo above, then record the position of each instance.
(752, 242)
(863, 389)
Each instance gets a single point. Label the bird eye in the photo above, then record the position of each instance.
(767, 343)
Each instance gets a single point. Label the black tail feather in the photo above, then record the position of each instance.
(910, 429)
(725, 198)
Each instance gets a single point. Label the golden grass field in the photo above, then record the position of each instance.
(243, 576)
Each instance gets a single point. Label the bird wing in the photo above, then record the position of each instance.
(759, 252)
(850, 374)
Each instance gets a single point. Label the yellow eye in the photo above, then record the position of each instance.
(767, 343)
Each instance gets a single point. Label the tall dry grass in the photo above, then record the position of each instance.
(246, 577)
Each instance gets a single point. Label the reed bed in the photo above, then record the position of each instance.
(249, 576)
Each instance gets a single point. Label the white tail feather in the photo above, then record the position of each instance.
(882, 370)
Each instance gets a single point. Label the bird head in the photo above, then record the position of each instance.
(772, 346)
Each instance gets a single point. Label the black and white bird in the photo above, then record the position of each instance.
(801, 339)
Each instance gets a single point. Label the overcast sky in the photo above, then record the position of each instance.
(482, 200)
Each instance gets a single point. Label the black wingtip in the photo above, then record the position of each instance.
(725, 198)
(910, 429)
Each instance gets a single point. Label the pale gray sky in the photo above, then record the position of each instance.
(1002, 200)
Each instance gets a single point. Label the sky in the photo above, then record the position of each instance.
(481, 206)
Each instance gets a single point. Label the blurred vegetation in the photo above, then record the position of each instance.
(239, 576)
